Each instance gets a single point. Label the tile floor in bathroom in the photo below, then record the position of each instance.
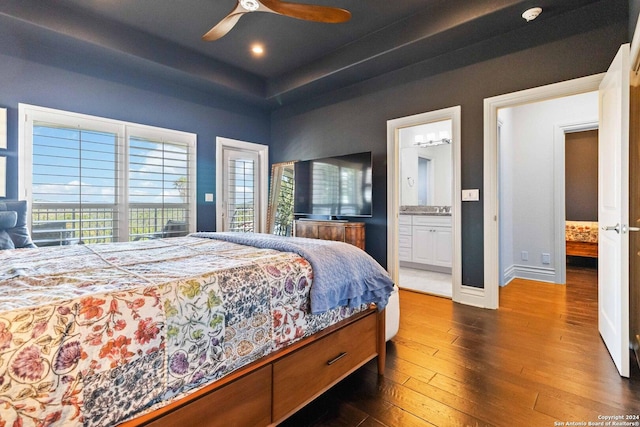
(429, 282)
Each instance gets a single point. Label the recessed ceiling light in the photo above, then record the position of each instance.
(257, 49)
(531, 14)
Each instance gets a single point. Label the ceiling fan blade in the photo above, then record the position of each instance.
(308, 12)
(224, 26)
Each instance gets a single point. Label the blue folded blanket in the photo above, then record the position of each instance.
(343, 275)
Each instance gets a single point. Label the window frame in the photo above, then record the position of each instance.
(29, 114)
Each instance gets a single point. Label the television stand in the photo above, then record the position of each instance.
(341, 231)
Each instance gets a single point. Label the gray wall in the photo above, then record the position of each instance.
(581, 176)
(68, 76)
(59, 74)
(354, 119)
(634, 10)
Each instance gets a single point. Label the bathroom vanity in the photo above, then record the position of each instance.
(425, 239)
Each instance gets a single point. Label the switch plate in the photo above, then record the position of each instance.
(546, 258)
(472, 195)
(208, 197)
(524, 255)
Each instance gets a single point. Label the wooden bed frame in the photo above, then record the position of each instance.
(274, 387)
(584, 249)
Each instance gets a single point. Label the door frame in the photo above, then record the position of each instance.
(460, 293)
(263, 177)
(490, 184)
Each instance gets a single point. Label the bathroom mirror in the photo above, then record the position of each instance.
(426, 164)
(280, 209)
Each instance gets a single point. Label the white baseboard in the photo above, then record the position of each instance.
(509, 274)
(540, 274)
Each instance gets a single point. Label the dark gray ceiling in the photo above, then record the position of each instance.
(302, 58)
(290, 43)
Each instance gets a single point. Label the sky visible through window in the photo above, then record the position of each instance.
(80, 166)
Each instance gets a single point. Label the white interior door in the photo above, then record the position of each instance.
(613, 211)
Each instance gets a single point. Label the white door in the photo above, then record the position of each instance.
(241, 185)
(613, 211)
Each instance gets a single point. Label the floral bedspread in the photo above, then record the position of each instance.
(97, 334)
(581, 231)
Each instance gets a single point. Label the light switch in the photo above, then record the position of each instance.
(208, 197)
(470, 195)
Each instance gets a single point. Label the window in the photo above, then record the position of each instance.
(241, 192)
(94, 180)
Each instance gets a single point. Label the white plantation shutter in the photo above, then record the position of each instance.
(74, 184)
(95, 180)
(240, 191)
(159, 187)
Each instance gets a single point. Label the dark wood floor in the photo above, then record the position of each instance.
(536, 361)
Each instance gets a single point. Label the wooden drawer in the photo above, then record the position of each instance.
(348, 232)
(305, 374)
(245, 402)
(404, 241)
(328, 232)
(306, 229)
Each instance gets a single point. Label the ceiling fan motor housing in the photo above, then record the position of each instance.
(250, 5)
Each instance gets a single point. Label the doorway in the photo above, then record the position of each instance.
(489, 297)
(581, 198)
(425, 252)
(460, 293)
(532, 198)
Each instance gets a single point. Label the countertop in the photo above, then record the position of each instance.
(425, 210)
(425, 213)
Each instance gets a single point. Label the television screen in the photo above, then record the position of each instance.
(334, 186)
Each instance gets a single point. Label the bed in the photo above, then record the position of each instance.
(582, 238)
(197, 330)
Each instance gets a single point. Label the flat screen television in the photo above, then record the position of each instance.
(338, 186)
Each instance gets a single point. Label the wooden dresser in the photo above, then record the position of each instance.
(348, 232)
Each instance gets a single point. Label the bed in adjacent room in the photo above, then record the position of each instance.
(192, 330)
(582, 238)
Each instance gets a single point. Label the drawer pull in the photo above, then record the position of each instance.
(335, 359)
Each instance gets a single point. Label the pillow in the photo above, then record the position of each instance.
(5, 241)
(19, 234)
(7, 220)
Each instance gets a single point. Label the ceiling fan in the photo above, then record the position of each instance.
(307, 12)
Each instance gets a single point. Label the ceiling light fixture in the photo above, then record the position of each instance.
(531, 14)
(432, 143)
(257, 50)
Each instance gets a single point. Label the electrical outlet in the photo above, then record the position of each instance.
(546, 258)
(524, 255)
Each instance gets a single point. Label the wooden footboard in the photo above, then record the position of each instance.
(273, 388)
(584, 249)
